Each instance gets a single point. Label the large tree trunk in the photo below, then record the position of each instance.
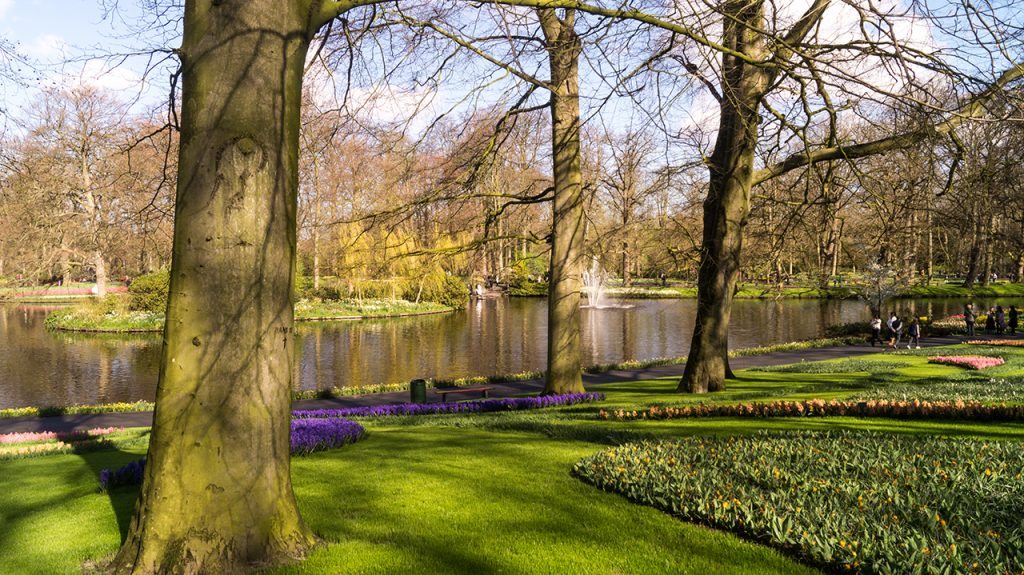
(837, 244)
(728, 201)
(930, 267)
(65, 262)
(990, 239)
(564, 373)
(973, 257)
(316, 222)
(217, 495)
(100, 265)
(624, 264)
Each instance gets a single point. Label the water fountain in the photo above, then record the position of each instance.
(595, 281)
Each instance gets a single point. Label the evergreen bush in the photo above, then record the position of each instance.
(149, 292)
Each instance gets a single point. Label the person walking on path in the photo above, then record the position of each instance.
(990, 321)
(1000, 320)
(969, 318)
(895, 327)
(1012, 323)
(876, 331)
(914, 334)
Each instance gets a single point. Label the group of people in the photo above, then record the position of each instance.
(997, 321)
(895, 328)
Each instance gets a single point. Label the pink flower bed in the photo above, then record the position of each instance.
(820, 408)
(69, 436)
(968, 361)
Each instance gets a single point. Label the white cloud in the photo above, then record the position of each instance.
(45, 48)
(410, 110)
(5, 6)
(114, 79)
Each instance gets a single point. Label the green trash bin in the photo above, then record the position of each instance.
(418, 391)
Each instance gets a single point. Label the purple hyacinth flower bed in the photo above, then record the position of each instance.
(309, 435)
(130, 474)
(507, 404)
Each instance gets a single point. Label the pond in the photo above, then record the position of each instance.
(492, 336)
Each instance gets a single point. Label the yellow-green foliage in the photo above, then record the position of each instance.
(439, 287)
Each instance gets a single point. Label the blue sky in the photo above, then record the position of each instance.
(74, 30)
(39, 30)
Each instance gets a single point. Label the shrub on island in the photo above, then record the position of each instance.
(148, 292)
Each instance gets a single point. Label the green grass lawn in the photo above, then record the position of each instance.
(489, 493)
(405, 500)
(957, 289)
(743, 291)
(769, 291)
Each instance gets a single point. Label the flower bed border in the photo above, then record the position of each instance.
(956, 410)
(478, 406)
(996, 342)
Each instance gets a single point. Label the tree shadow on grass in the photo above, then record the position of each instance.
(52, 500)
(467, 501)
(122, 498)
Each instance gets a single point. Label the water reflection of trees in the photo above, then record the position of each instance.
(496, 336)
(44, 367)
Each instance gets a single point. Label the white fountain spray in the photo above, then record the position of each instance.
(594, 281)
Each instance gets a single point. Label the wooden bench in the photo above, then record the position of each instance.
(445, 391)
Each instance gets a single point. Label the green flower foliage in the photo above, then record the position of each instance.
(346, 391)
(897, 409)
(121, 407)
(978, 389)
(844, 366)
(850, 502)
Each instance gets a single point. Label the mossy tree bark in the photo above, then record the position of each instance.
(745, 81)
(564, 371)
(727, 204)
(217, 495)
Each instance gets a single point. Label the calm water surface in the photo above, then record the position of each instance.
(40, 368)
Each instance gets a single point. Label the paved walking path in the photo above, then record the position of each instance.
(590, 381)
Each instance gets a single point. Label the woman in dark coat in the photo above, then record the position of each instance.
(990, 321)
(1012, 324)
